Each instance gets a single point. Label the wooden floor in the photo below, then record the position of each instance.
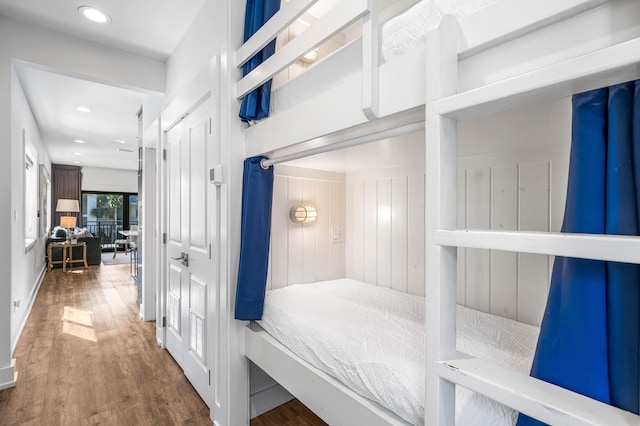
(86, 358)
(293, 413)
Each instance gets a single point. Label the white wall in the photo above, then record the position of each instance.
(200, 43)
(385, 227)
(109, 180)
(27, 266)
(304, 253)
(72, 56)
(512, 175)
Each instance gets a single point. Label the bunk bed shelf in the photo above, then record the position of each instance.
(604, 67)
(324, 395)
(328, 26)
(271, 29)
(551, 404)
(617, 248)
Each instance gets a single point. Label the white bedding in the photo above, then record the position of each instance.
(372, 340)
(398, 36)
(404, 32)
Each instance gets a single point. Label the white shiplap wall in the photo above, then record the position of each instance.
(385, 227)
(304, 253)
(512, 174)
(511, 177)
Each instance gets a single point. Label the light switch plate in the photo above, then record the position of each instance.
(337, 235)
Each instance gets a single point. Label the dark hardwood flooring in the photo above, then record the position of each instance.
(86, 358)
(293, 413)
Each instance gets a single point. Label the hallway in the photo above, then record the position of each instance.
(85, 357)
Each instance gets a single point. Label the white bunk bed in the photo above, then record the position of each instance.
(371, 339)
(377, 76)
(471, 72)
(596, 47)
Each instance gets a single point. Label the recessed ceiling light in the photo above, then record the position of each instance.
(84, 109)
(121, 140)
(76, 162)
(79, 141)
(93, 14)
(77, 153)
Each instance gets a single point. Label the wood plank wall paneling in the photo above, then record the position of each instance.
(381, 214)
(385, 228)
(512, 175)
(381, 217)
(517, 194)
(415, 234)
(304, 253)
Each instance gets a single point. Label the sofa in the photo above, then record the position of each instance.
(94, 250)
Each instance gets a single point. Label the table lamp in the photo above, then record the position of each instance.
(68, 206)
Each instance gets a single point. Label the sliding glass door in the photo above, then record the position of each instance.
(106, 213)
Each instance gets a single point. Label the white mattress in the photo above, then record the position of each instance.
(404, 32)
(398, 36)
(372, 340)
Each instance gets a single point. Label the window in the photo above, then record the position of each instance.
(104, 214)
(30, 196)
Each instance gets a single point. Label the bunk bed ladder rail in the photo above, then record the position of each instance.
(320, 31)
(445, 367)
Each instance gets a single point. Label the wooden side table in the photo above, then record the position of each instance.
(71, 260)
(67, 254)
(52, 262)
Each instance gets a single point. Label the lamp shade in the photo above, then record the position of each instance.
(66, 205)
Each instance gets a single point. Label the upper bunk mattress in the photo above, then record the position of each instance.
(372, 339)
(404, 32)
(401, 35)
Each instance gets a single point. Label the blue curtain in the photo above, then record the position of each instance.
(257, 193)
(589, 335)
(255, 105)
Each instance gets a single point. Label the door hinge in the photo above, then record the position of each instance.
(164, 322)
(209, 377)
(164, 154)
(209, 125)
(164, 238)
(209, 251)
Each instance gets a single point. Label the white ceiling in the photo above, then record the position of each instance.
(150, 28)
(54, 100)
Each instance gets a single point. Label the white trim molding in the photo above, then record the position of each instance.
(7, 375)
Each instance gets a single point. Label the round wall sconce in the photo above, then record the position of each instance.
(303, 214)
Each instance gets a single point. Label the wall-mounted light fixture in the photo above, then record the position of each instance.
(310, 57)
(303, 214)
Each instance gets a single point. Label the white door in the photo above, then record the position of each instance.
(189, 264)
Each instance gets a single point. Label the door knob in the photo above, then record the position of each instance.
(184, 258)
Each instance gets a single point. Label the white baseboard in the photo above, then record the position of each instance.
(7, 375)
(28, 306)
(268, 399)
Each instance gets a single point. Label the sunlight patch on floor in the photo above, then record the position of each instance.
(78, 323)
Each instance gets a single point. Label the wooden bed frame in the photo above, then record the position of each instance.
(462, 79)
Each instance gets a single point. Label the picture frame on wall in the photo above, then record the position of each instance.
(44, 215)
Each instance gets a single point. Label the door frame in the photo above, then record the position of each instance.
(204, 85)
